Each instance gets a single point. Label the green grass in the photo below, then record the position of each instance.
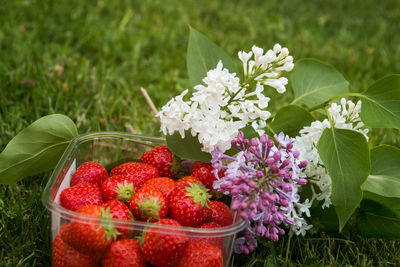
(88, 60)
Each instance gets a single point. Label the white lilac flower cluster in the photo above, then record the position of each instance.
(217, 110)
(266, 68)
(264, 180)
(344, 116)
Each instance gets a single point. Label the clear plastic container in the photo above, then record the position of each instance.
(111, 149)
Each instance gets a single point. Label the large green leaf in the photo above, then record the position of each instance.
(188, 147)
(345, 155)
(315, 82)
(291, 119)
(384, 178)
(379, 216)
(381, 103)
(203, 55)
(37, 148)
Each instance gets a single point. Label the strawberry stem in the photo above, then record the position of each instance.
(149, 208)
(125, 191)
(199, 193)
(109, 228)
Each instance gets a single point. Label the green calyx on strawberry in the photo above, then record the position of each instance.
(189, 204)
(149, 204)
(199, 194)
(149, 208)
(167, 163)
(118, 187)
(107, 224)
(90, 235)
(125, 191)
(119, 211)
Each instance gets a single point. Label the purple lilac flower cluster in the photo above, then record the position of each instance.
(263, 180)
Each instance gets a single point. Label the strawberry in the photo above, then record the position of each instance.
(136, 172)
(163, 184)
(219, 213)
(118, 187)
(63, 255)
(164, 248)
(119, 211)
(188, 204)
(123, 253)
(89, 172)
(186, 180)
(149, 204)
(73, 198)
(161, 157)
(216, 241)
(205, 173)
(90, 235)
(199, 254)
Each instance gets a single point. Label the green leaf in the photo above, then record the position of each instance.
(326, 218)
(345, 155)
(249, 132)
(37, 148)
(381, 103)
(379, 216)
(188, 147)
(291, 119)
(203, 55)
(384, 178)
(386, 204)
(314, 82)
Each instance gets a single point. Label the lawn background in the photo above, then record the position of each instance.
(88, 60)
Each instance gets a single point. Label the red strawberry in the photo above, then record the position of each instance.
(149, 204)
(199, 254)
(90, 172)
(63, 255)
(205, 173)
(118, 187)
(136, 172)
(188, 204)
(163, 247)
(119, 211)
(162, 158)
(209, 225)
(186, 180)
(219, 213)
(163, 184)
(215, 241)
(80, 195)
(90, 235)
(123, 253)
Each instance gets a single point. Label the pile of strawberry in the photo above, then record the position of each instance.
(148, 191)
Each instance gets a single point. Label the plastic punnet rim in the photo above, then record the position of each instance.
(135, 225)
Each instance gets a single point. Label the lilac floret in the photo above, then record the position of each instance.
(263, 180)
